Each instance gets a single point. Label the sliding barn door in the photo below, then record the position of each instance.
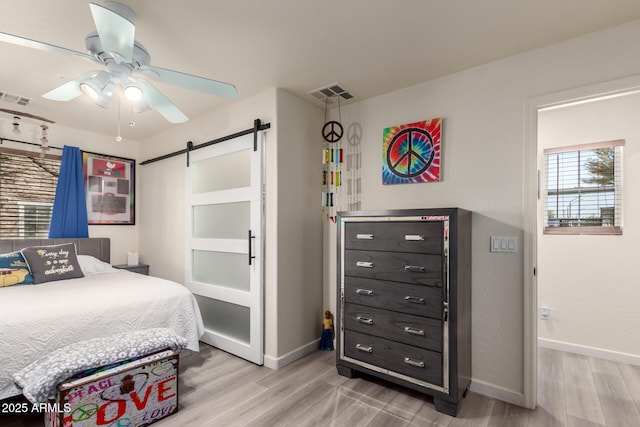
(224, 244)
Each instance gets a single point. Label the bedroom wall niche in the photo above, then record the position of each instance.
(293, 224)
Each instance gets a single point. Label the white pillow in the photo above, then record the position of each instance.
(91, 265)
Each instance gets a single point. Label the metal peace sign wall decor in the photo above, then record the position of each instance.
(332, 131)
(412, 152)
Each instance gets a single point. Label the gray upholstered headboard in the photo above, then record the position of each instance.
(99, 247)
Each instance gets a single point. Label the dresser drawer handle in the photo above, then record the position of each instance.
(365, 320)
(413, 331)
(414, 362)
(414, 300)
(364, 236)
(414, 268)
(367, 292)
(366, 264)
(364, 348)
(414, 237)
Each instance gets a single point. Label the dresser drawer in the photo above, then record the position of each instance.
(420, 269)
(421, 237)
(406, 328)
(415, 362)
(404, 297)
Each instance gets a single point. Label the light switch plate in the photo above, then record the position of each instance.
(504, 244)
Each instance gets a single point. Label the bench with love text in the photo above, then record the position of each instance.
(134, 394)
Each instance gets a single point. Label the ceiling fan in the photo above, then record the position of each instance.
(127, 65)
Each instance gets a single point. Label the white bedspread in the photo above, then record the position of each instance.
(36, 319)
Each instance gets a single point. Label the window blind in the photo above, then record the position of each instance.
(584, 189)
(27, 190)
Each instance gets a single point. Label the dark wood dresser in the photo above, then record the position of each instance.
(404, 300)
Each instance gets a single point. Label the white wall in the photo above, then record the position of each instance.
(124, 238)
(483, 171)
(299, 240)
(590, 282)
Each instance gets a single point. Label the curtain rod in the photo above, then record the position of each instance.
(25, 142)
(190, 147)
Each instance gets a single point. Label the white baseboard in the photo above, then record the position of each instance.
(496, 392)
(476, 386)
(292, 356)
(584, 350)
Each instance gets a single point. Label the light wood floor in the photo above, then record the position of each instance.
(217, 389)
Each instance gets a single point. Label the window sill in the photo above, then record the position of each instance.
(611, 231)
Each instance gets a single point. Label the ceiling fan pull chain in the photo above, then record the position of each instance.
(119, 138)
(132, 123)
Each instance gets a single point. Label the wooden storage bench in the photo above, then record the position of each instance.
(134, 394)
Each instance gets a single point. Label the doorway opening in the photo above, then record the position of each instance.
(549, 281)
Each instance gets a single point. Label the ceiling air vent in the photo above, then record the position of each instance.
(14, 99)
(331, 94)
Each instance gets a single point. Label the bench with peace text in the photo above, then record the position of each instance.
(134, 394)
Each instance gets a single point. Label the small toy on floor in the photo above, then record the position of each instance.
(326, 339)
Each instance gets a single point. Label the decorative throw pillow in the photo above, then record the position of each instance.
(49, 263)
(14, 270)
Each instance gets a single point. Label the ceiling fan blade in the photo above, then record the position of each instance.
(21, 41)
(187, 81)
(28, 115)
(70, 89)
(114, 23)
(157, 101)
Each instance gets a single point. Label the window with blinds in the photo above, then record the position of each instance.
(584, 189)
(27, 189)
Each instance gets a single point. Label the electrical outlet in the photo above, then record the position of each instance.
(544, 312)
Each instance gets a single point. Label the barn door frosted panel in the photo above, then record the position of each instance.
(224, 244)
(222, 221)
(228, 171)
(221, 269)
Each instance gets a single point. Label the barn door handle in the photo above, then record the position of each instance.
(250, 245)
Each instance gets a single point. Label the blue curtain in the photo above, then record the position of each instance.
(69, 216)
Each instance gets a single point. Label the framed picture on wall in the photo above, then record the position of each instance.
(109, 186)
(411, 152)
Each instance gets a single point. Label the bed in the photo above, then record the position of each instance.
(37, 319)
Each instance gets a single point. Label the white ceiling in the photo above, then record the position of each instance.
(369, 46)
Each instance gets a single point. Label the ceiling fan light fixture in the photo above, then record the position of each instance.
(94, 86)
(105, 97)
(89, 90)
(113, 46)
(133, 92)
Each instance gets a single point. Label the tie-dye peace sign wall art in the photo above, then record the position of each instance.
(412, 152)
